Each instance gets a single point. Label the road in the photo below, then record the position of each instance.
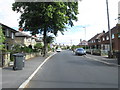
(65, 70)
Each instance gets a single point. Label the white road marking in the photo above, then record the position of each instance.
(24, 84)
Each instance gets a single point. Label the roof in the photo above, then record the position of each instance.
(21, 34)
(97, 36)
(83, 42)
(5, 26)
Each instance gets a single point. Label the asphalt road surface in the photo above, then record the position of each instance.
(66, 70)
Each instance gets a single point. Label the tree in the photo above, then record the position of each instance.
(49, 39)
(2, 38)
(46, 17)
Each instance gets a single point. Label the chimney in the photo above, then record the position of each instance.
(20, 29)
(103, 31)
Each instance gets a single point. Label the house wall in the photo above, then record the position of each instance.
(9, 34)
(26, 41)
(19, 40)
(10, 37)
(115, 40)
(103, 42)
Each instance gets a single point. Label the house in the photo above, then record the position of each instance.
(105, 40)
(9, 42)
(9, 35)
(94, 42)
(83, 43)
(24, 39)
(99, 44)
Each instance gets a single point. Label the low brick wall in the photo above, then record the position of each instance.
(32, 55)
(5, 59)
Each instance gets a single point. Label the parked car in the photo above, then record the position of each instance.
(80, 51)
(59, 50)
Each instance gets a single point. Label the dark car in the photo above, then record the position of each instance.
(80, 51)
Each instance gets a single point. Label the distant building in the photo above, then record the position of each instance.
(83, 43)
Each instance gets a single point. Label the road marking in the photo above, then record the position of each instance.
(24, 84)
(101, 61)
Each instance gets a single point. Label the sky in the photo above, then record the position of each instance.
(92, 19)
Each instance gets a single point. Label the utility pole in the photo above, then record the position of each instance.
(110, 36)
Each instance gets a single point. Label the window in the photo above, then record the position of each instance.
(7, 32)
(12, 35)
(113, 36)
(99, 40)
(103, 39)
(118, 35)
(107, 37)
(29, 40)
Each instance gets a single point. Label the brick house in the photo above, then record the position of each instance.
(94, 44)
(115, 39)
(99, 44)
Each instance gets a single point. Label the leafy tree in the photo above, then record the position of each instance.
(46, 17)
(49, 39)
(2, 38)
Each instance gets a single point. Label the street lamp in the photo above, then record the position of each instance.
(110, 52)
(85, 36)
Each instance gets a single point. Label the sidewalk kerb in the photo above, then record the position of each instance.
(101, 61)
(24, 84)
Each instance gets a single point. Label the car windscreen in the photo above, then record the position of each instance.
(80, 49)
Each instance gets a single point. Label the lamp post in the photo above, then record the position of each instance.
(85, 36)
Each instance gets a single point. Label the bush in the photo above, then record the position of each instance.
(38, 47)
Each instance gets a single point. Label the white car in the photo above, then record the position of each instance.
(59, 50)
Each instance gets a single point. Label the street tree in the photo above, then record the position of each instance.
(49, 39)
(46, 17)
(2, 38)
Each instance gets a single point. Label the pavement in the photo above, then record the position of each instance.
(14, 79)
(103, 59)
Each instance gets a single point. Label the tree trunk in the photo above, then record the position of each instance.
(45, 43)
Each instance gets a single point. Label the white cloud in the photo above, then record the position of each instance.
(7, 16)
(93, 15)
